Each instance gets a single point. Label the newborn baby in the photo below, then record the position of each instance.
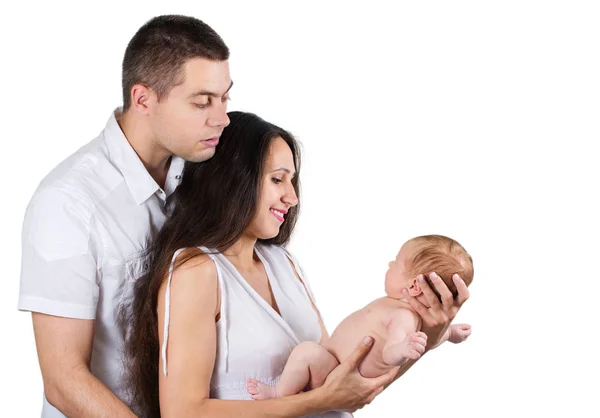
(390, 320)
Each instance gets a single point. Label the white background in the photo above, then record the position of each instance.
(473, 119)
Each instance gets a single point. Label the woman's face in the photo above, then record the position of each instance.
(277, 194)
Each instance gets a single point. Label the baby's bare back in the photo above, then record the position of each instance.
(371, 320)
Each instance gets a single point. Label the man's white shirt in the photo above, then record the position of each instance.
(85, 234)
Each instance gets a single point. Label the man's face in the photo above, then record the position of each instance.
(190, 120)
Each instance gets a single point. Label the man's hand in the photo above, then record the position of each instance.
(346, 389)
(437, 318)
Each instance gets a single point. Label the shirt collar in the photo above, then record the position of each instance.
(140, 183)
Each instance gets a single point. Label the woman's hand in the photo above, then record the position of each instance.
(345, 389)
(437, 318)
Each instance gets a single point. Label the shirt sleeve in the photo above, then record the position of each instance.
(58, 267)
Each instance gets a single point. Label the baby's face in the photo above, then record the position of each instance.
(395, 278)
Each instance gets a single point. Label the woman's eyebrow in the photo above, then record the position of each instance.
(287, 170)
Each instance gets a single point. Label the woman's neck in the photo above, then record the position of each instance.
(241, 254)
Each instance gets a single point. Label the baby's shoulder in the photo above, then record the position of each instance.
(397, 311)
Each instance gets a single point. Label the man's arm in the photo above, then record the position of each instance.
(64, 347)
(59, 285)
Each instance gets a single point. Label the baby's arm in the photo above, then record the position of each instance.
(404, 341)
(455, 334)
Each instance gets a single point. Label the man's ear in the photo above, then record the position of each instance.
(141, 98)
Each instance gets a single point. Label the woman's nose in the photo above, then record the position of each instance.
(290, 197)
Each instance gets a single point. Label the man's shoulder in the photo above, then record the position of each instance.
(68, 197)
(81, 180)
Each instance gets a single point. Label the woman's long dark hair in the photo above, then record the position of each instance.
(213, 205)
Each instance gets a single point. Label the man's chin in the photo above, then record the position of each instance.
(204, 155)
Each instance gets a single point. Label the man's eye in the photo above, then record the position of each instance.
(202, 105)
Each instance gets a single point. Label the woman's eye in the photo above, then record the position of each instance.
(276, 180)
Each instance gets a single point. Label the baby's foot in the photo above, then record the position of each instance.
(260, 391)
(459, 333)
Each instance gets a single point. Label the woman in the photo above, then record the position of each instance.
(225, 301)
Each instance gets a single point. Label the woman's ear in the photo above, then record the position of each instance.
(414, 289)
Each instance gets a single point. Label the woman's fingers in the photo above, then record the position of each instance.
(385, 379)
(428, 293)
(414, 303)
(359, 352)
(374, 395)
(463, 290)
(442, 289)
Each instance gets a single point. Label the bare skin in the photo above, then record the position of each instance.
(391, 320)
(64, 347)
(195, 307)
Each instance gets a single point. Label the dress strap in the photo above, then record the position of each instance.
(168, 307)
(302, 276)
(224, 301)
(168, 311)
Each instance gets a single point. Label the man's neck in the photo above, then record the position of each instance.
(156, 159)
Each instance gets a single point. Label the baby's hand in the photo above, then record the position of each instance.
(459, 333)
(413, 345)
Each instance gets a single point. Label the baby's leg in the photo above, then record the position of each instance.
(308, 365)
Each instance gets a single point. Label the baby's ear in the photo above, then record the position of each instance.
(414, 289)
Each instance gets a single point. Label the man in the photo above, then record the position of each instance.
(91, 218)
(89, 221)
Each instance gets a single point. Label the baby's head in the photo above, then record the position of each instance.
(423, 255)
